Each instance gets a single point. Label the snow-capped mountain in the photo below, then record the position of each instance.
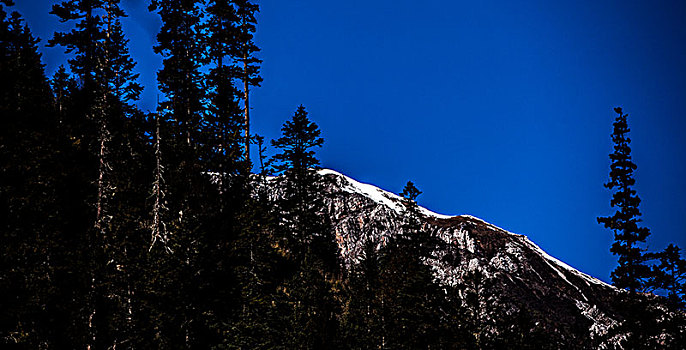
(522, 272)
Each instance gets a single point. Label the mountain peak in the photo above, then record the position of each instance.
(395, 202)
(521, 271)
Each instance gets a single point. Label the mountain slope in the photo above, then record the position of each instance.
(521, 272)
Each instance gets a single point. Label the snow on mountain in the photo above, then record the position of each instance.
(378, 195)
(523, 272)
(394, 201)
(519, 273)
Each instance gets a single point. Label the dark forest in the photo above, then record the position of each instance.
(136, 230)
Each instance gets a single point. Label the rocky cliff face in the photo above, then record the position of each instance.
(522, 273)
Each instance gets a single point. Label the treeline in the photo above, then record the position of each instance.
(126, 229)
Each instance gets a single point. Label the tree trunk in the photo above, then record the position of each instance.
(246, 111)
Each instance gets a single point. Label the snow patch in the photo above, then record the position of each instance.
(378, 195)
(549, 258)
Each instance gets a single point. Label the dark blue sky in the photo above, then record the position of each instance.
(498, 109)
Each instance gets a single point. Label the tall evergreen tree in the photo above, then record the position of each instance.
(640, 326)
(84, 41)
(180, 79)
(181, 114)
(23, 84)
(237, 246)
(119, 66)
(302, 200)
(305, 237)
(422, 242)
(625, 222)
(246, 53)
(195, 280)
(225, 115)
(113, 135)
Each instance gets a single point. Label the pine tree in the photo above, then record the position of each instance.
(297, 158)
(670, 275)
(625, 223)
(633, 274)
(235, 248)
(411, 298)
(84, 41)
(305, 237)
(180, 44)
(224, 115)
(418, 239)
(301, 201)
(120, 75)
(245, 51)
(231, 26)
(113, 133)
(181, 114)
(23, 83)
(202, 125)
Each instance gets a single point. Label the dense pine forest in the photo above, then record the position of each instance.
(127, 229)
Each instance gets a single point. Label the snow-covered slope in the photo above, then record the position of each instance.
(523, 272)
(512, 270)
(376, 194)
(394, 202)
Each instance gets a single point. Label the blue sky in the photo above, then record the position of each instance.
(497, 109)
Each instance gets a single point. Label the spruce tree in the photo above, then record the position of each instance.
(84, 41)
(120, 75)
(411, 298)
(113, 134)
(180, 79)
(305, 238)
(670, 275)
(177, 288)
(625, 222)
(301, 198)
(632, 273)
(224, 116)
(246, 52)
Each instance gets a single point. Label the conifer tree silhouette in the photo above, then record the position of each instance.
(625, 222)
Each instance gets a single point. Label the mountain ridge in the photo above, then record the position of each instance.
(393, 200)
(521, 273)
